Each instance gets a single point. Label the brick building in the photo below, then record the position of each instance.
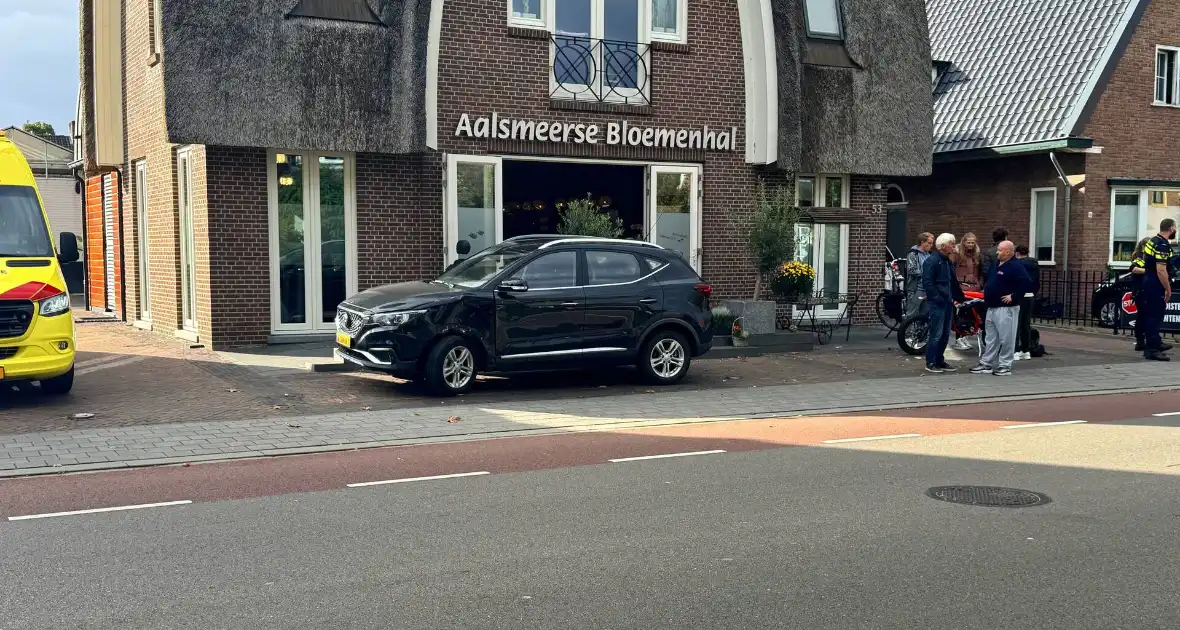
(275, 156)
(1055, 120)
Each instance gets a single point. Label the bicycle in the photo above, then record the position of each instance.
(890, 303)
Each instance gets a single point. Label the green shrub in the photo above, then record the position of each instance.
(583, 217)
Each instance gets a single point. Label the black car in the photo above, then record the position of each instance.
(534, 303)
(1108, 295)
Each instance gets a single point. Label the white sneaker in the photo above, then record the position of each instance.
(1025, 356)
(1019, 356)
(961, 344)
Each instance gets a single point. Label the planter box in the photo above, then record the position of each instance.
(757, 315)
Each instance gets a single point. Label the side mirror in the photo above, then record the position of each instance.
(513, 285)
(67, 249)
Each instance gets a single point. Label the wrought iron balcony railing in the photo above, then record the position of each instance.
(599, 70)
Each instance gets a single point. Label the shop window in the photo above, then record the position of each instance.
(823, 19)
(1043, 224)
(1167, 76)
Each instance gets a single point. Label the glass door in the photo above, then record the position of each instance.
(674, 210)
(188, 270)
(825, 247)
(473, 218)
(313, 240)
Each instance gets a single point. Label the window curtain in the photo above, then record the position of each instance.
(663, 15)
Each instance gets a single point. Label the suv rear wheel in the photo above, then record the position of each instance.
(450, 367)
(665, 358)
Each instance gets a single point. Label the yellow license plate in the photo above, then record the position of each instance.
(344, 340)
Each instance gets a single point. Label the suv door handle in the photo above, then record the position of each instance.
(569, 304)
(647, 301)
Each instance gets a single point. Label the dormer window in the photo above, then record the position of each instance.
(823, 19)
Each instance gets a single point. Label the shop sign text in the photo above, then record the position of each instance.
(614, 133)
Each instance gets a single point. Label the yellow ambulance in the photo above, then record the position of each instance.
(36, 328)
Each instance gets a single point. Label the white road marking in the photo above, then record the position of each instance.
(409, 479)
(108, 365)
(873, 438)
(665, 456)
(99, 510)
(96, 361)
(1042, 424)
(1169, 413)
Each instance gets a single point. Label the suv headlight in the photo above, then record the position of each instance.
(55, 305)
(395, 319)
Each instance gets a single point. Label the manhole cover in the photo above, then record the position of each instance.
(988, 496)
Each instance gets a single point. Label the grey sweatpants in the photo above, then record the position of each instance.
(1001, 324)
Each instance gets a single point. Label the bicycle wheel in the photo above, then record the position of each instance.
(889, 306)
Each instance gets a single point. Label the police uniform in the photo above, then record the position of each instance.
(1151, 297)
(1136, 287)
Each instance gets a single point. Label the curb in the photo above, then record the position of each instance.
(496, 435)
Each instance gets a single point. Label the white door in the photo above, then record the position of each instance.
(473, 217)
(674, 210)
(188, 265)
(312, 239)
(825, 247)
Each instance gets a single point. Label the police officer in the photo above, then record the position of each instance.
(1156, 291)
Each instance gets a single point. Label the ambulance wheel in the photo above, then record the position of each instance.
(58, 385)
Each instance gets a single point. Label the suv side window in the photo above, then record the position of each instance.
(558, 270)
(605, 267)
(678, 269)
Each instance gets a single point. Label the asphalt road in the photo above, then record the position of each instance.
(819, 535)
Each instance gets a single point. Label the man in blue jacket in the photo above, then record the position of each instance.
(1006, 285)
(942, 289)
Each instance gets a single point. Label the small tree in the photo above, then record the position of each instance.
(770, 232)
(42, 129)
(583, 217)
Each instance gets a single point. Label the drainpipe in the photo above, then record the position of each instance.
(85, 254)
(1068, 204)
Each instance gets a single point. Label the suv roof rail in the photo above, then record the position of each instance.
(599, 239)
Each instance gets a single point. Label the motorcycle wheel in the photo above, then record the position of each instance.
(911, 336)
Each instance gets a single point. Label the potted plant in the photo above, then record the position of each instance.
(741, 336)
(723, 319)
(770, 238)
(583, 217)
(793, 280)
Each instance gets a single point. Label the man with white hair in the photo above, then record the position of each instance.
(942, 289)
(1006, 284)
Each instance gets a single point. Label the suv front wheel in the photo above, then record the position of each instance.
(450, 367)
(665, 358)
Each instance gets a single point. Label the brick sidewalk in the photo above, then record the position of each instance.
(135, 379)
(99, 448)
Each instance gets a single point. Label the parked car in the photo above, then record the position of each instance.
(1108, 296)
(534, 303)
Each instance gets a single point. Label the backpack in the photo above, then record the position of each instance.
(1038, 350)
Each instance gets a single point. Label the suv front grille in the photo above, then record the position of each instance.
(15, 317)
(349, 322)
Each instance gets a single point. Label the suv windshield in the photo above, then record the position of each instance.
(482, 267)
(22, 227)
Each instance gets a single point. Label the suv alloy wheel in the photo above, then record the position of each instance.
(450, 367)
(665, 358)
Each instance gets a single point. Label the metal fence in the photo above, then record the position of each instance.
(1077, 298)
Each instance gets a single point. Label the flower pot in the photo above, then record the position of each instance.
(740, 342)
(792, 288)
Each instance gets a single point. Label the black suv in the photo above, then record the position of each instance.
(534, 303)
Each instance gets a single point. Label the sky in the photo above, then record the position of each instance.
(38, 62)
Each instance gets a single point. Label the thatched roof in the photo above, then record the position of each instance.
(864, 107)
(245, 74)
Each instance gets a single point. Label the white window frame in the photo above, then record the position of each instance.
(1175, 51)
(839, 36)
(1032, 227)
(572, 91)
(312, 278)
(818, 233)
(693, 171)
(142, 247)
(157, 32)
(547, 20)
(451, 207)
(188, 247)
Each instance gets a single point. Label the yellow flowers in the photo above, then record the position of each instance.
(795, 270)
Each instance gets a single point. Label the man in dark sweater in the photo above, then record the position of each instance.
(1024, 343)
(942, 291)
(1006, 285)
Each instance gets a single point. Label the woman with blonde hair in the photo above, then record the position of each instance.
(966, 259)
